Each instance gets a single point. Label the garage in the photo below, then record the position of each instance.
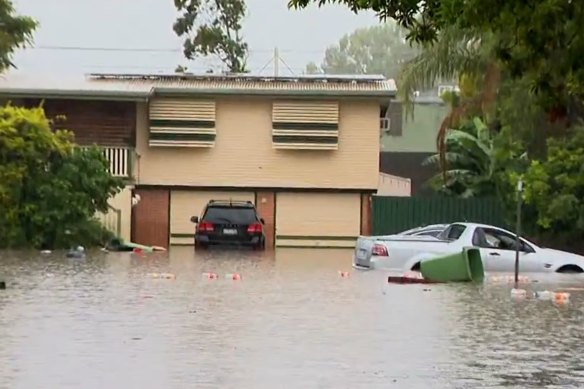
(317, 219)
(184, 204)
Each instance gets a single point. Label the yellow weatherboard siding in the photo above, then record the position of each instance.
(243, 155)
(317, 219)
(184, 204)
(182, 122)
(311, 125)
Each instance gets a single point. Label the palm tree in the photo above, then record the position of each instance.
(458, 54)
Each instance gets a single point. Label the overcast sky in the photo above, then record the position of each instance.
(301, 36)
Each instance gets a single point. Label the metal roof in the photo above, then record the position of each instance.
(142, 86)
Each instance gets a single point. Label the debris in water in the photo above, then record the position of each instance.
(77, 252)
(518, 294)
(233, 276)
(162, 276)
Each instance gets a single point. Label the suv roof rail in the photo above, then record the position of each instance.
(231, 202)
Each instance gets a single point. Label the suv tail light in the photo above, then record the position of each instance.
(379, 250)
(254, 228)
(205, 227)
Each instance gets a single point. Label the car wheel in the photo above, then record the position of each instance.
(199, 245)
(570, 269)
(260, 246)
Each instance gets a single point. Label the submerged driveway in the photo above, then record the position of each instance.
(291, 320)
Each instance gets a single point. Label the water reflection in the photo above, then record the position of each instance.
(103, 322)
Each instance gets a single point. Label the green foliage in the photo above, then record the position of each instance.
(555, 186)
(50, 190)
(379, 49)
(16, 33)
(420, 18)
(312, 68)
(213, 27)
(470, 163)
(540, 41)
(478, 162)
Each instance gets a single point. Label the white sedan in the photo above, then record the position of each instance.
(497, 247)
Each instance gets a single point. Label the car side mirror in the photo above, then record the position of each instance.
(262, 220)
(194, 219)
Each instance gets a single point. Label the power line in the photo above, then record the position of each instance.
(149, 50)
(162, 68)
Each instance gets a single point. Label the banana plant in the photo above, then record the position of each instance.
(471, 160)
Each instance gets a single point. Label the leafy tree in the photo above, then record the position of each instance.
(50, 189)
(16, 32)
(554, 187)
(213, 27)
(312, 68)
(540, 41)
(379, 49)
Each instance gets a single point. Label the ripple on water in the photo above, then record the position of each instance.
(291, 321)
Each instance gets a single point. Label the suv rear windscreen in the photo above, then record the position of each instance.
(230, 215)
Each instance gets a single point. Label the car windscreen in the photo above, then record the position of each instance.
(230, 215)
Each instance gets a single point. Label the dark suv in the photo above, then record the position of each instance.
(229, 223)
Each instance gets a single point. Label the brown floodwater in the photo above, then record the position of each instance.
(291, 322)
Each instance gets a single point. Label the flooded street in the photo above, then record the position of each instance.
(291, 322)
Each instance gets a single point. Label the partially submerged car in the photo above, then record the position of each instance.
(233, 223)
(497, 247)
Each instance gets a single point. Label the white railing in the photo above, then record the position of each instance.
(112, 220)
(120, 160)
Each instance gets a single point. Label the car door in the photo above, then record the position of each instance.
(495, 257)
(498, 251)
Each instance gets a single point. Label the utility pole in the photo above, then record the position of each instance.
(518, 230)
(276, 61)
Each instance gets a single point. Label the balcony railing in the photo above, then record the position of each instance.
(120, 160)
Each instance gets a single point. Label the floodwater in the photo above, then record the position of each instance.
(291, 322)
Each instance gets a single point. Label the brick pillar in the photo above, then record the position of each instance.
(266, 206)
(366, 214)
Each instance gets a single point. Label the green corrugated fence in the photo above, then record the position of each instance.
(396, 214)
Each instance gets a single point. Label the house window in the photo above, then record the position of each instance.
(181, 123)
(305, 125)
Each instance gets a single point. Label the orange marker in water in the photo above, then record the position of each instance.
(561, 298)
(233, 276)
(210, 276)
(344, 274)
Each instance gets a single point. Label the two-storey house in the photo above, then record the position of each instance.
(305, 150)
